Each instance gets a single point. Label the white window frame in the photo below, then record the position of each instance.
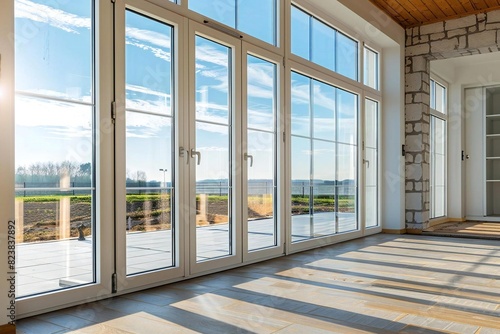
(443, 116)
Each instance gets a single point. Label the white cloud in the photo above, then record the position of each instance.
(148, 39)
(49, 15)
(146, 126)
(209, 54)
(31, 112)
(148, 36)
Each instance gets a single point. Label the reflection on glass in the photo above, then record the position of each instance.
(301, 188)
(300, 33)
(301, 118)
(347, 56)
(213, 176)
(149, 81)
(149, 225)
(371, 68)
(261, 94)
(53, 48)
(440, 98)
(261, 190)
(54, 190)
(438, 167)
(256, 18)
(347, 202)
(212, 80)
(347, 111)
(261, 147)
(323, 111)
(323, 188)
(371, 163)
(324, 170)
(323, 45)
(221, 11)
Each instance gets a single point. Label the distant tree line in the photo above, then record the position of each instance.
(51, 172)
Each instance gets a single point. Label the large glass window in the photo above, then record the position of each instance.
(257, 17)
(438, 141)
(324, 159)
(149, 144)
(54, 150)
(321, 44)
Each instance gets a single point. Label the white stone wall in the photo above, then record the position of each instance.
(474, 34)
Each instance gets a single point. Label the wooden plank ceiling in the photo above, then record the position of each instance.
(412, 13)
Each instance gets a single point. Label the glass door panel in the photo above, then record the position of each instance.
(261, 156)
(54, 152)
(150, 186)
(213, 157)
(371, 163)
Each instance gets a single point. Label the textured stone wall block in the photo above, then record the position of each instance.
(416, 50)
(414, 201)
(456, 32)
(420, 64)
(432, 28)
(462, 22)
(493, 17)
(413, 82)
(444, 45)
(486, 38)
(413, 112)
(414, 172)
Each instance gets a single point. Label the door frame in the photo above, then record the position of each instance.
(151, 278)
(279, 215)
(104, 245)
(197, 29)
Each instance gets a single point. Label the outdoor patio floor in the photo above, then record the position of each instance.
(47, 266)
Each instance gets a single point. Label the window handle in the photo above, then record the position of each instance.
(247, 156)
(197, 154)
(183, 153)
(367, 162)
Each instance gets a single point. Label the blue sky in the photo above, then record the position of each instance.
(53, 58)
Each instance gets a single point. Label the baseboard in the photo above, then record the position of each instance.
(413, 231)
(8, 329)
(392, 231)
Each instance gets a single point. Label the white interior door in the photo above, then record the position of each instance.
(474, 153)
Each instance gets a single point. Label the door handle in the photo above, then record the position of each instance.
(197, 154)
(367, 162)
(248, 156)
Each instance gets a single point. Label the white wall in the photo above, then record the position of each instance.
(471, 71)
(392, 139)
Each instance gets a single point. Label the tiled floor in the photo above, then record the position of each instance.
(379, 284)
